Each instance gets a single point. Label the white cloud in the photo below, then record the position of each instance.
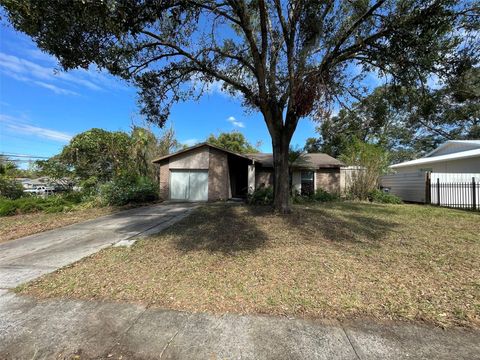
(48, 77)
(54, 88)
(20, 126)
(190, 142)
(235, 122)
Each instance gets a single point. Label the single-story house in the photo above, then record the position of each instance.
(453, 156)
(205, 172)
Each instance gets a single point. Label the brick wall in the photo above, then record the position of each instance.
(218, 176)
(328, 179)
(164, 180)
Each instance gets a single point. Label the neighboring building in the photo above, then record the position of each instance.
(206, 172)
(454, 156)
(453, 162)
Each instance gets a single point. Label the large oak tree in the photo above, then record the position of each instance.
(286, 59)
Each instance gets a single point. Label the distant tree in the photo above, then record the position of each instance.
(146, 147)
(56, 170)
(234, 141)
(98, 153)
(371, 161)
(409, 122)
(286, 59)
(6, 166)
(313, 145)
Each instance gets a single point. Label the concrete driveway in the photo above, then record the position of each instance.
(27, 258)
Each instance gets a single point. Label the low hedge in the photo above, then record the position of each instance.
(379, 196)
(128, 190)
(31, 204)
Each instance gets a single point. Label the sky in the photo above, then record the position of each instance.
(41, 107)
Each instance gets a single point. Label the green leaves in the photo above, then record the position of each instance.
(234, 141)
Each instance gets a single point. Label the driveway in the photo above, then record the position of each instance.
(27, 258)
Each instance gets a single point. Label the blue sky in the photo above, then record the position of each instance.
(41, 108)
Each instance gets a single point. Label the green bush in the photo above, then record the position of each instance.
(10, 188)
(128, 190)
(320, 195)
(324, 196)
(383, 197)
(261, 196)
(31, 204)
(7, 207)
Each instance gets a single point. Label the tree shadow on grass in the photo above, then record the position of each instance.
(227, 229)
(233, 229)
(353, 225)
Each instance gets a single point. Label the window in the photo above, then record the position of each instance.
(307, 179)
(307, 175)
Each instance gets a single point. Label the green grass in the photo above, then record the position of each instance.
(333, 260)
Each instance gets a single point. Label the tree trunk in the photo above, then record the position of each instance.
(281, 183)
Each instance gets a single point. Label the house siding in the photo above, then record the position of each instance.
(197, 159)
(328, 180)
(471, 165)
(218, 176)
(164, 180)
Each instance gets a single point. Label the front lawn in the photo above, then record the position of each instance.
(16, 226)
(335, 260)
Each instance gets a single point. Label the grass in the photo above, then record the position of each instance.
(337, 260)
(16, 226)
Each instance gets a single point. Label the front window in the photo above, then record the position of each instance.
(307, 183)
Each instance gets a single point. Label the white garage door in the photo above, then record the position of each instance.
(189, 185)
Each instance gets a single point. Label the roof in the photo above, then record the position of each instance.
(305, 161)
(460, 145)
(433, 159)
(197, 147)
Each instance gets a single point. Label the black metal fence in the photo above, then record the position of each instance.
(463, 195)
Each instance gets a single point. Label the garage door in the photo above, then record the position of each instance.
(189, 185)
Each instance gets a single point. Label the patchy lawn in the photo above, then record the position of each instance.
(337, 260)
(13, 227)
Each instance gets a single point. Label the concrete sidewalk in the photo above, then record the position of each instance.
(61, 329)
(27, 258)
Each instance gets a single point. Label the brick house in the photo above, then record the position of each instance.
(205, 172)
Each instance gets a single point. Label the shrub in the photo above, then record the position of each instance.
(10, 188)
(261, 196)
(31, 204)
(383, 197)
(320, 195)
(7, 207)
(324, 196)
(127, 190)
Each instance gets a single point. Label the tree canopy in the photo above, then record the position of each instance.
(234, 141)
(98, 155)
(408, 122)
(286, 59)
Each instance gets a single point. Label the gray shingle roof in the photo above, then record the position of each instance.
(305, 161)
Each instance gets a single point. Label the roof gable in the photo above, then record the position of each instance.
(454, 146)
(194, 147)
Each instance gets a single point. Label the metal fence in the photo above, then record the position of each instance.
(455, 194)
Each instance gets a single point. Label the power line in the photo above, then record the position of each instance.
(13, 155)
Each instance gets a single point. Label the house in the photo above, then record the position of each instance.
(453, 162)
(453, 156)
(205, 172)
